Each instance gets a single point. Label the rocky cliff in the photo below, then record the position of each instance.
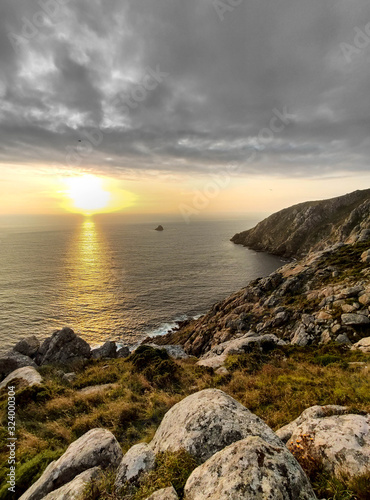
(313, 225)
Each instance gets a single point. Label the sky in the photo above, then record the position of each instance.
(191, 107)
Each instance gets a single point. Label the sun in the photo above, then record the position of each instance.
(87, 194)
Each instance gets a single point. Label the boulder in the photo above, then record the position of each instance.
(75, 488)
(139, 459)
(340, 442)
(28, 346)
(365, 256)
(244, 344)
(364, 299)
(64, 346)
(362, 345)
(123, 352)
(96, 448)
(205, 423)
(175, 351)
(355, 319)
(107, 350)
(27, 375)
(250, 469)
(285, 433)
(164, 494)
(12, 360)
(214, 362)
(159, 228)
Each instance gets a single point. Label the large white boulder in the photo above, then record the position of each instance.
(75, 488)
(139, 459)
(340, 442)
(164, 494)
(205, 423)
(250, 469)
(27, 375)
(98, 447)
(362, 345)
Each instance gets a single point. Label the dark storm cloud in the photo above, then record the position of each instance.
(174, 85)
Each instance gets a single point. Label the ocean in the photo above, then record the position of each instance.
(115, 281)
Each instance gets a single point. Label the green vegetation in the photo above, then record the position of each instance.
(277, 386)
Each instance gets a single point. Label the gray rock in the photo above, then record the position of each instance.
(28, 346)
(285, 433)
(244, 344)
(28, 375)
(355, 319)
(64, 346)
(123, 352)
(340, 442)
(214, 362)
(205, 423)
(301, 337)
(362, 345)
(342, 339)
(12, 360)
(164, 494)
(107, 350)
(98, 447)
(75, 488)
(69, 377)
(175, 351)
(250, 469)
(139, 459)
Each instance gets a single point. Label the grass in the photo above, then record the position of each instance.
(276, 386)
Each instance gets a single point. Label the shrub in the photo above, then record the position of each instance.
(155, 365)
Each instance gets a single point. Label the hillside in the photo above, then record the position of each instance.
(313, 225)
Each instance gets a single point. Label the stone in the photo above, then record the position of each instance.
(340, 442)
(355, 319)
(139, 459)
(175, 351)
(362, 345)
(324, 316)
(164, 494)
(364, 299)
(96, 448)
(301, 337)
(325, 337)
(123, 352)
(348, 308)
(365, 256)
(342, 339)
(214, 362)
(159, 228)
(64, 346)
(107, 350)
(244, 344)
(205, 423)
(285, 433)
(28, 346)
(12, 360)
(27, 375)
(75, 488)
(69, 377)
(250, 469)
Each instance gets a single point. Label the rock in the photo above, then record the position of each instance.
(364, 299)
(365, 256)
(107, 350)
(241, 345)
(159, 228)
(222, 371)
(98, 447)
(285, 433)
(69, 377)
(12, 360)
(342, 339)
(164, 494)
(214, 362)
(28, 375)
(175, 351)
(139, 459)
(75, 488)
(348, 308)
(28, 346)
(93, 389)
(123, 352)
(205, 423)
(64, 346)
(301, 337)
(340, 442)
(250, 469)
(362, 345)
(355, 319)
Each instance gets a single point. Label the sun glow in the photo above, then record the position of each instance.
(88, 194)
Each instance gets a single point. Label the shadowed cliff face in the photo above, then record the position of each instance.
(295, 231)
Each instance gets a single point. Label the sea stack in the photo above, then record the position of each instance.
(159, 228)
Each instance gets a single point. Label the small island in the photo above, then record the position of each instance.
(159, 228)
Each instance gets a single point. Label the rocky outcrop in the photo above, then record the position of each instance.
(75, 488)
(139, 459)
(332, 437)
(28, 346)
(362, 345)
(295, 231)
(205, 423)
(159, 228)
(12, 361)
(26, 376)
(63, 347)
(164, 494)
(107, 350)
(96, 448)
(174, 351)
(250, 469)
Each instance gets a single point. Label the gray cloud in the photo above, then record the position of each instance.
(66, 76)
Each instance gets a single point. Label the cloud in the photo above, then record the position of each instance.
(71, 70)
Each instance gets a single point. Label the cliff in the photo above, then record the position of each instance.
(313, 225)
